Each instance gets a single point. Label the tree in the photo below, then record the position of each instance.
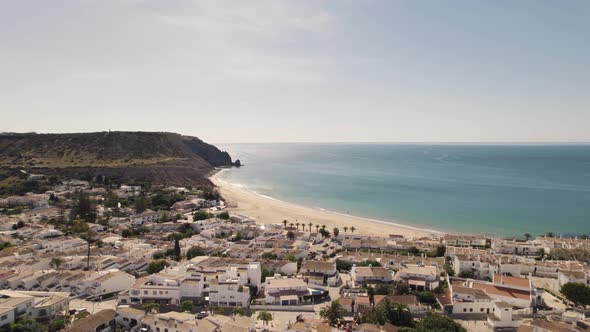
(140, 204)
(426, 297)
(437, 322)
(290, 235)
(201, 215)
(56, 262)
(177, 249)
(309, 226)
(157, 266)
(550, 234)
(265, 274)
(264, 316)
(317, 227)
(239, 311)
(297, 224)
(291, 224)
(343, 265)
(165, 217)
(187, 306)
(151, 307)
(25, 324)
(576, 292)
(332, 313)
(345, 229)
(402, 288)
(413, 250)
(336, 231)
(352, 229)
(324, 233)
(467, 274)
(449, 270)
(527, 236)
(285, 223)
(83, 207)
(58, 324)
(194, 252)
(223, 215)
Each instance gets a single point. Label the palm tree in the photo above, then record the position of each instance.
(345, 229)
(332, 313)
(527, 236)
(291, 224)
(264, 316)
(151, 307)
(285, 222)
(310, 224)
(297, 225)
(352, 229)
(336, 232)
(323, 226)
(317, 228)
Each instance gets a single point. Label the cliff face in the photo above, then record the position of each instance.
(162, 158)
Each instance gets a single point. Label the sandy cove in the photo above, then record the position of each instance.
(271, 211)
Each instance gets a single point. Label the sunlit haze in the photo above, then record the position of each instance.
(295, 71)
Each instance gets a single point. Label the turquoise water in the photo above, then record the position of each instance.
(493, 189)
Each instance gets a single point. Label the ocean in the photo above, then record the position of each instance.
(503, 190)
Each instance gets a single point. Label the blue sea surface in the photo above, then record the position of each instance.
(504, 190)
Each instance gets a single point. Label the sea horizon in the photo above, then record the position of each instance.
(273, 178)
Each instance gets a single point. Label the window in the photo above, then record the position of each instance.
(470, 309)
(464, 309)
(481, 309)
(4, 317)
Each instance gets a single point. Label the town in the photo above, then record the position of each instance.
(92, 255)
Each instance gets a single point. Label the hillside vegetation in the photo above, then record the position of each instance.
(161, 158)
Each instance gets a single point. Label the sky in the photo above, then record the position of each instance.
(298, 70)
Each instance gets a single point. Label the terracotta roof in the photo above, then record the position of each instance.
(511, 281)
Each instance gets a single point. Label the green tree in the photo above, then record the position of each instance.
(369, 262)
(201, 215)
(56, 262)
(157, 266)
(576, 292)
(140, 204)
(58, 324)
(343, 265)
(345, 229)
(317, 227)
(83, 207)
(239, 311)
(402, 288)
(285, 223)
(467, 274)
(434, 322)
(290, 235)
(413, 250)
(449, 270)
(333, 312)
(265, 273)
(177, 253)
(352, 229)
(426, 297)
(223, 215)
(194, 252)
(264, 316)
(309, 226)
(187, 306)
(151, 307)
(165, 217)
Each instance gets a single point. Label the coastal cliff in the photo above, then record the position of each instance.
(157, 157)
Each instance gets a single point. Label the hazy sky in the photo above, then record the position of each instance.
(296, 70)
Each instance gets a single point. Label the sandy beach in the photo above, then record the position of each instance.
(271, 211)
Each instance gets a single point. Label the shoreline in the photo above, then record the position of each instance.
(269, 210)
